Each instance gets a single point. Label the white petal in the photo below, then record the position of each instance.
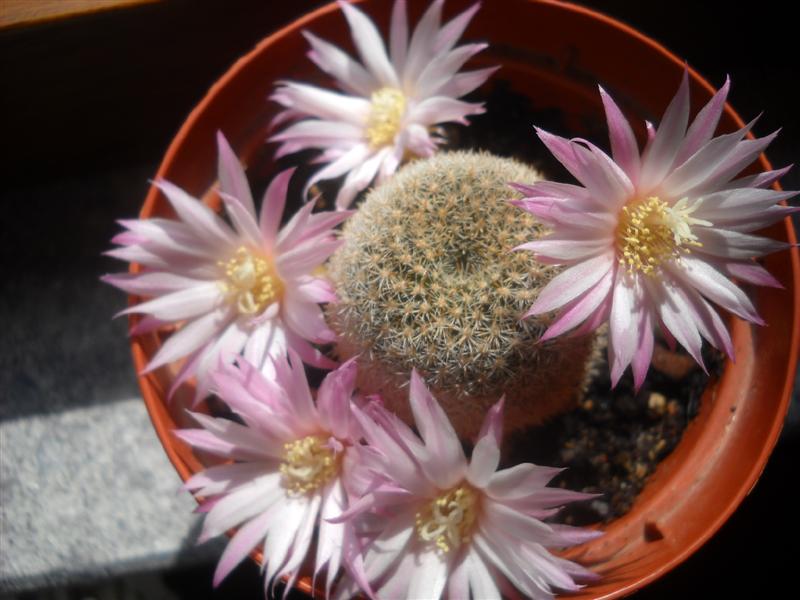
(623, 317)
(573, 282)
(446, 463)
(197, 215)
(735, 245)
(323, 104)
(232, 180)
(716, 287)
(331, 535)
(660, 154)
(520, 480)
(347, 72)
(398, 35)
(190, 337)
(370, 46)
(481, 581)
(389, 546)
(242, 504)
(484, 461)
(279, 540)
(430, 576)
(440, 109)
(420, 48)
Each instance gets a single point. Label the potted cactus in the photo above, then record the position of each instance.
(722, 450)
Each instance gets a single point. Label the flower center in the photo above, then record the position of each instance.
(651, 232)
(308, 464)
(386, 112)
(250, 281)
(448, 520)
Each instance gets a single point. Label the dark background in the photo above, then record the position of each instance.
(90, 104)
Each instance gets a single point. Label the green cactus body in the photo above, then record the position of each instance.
(428, 279)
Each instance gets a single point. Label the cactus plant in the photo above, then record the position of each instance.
(428, 279)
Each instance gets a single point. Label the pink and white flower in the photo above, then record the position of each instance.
(244, 287)
(390, 101)
(291, 454)
(452, 527)
(653, 239)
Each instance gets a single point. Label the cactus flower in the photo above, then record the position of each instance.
(654, 239)
(389, 102)
(453, 528)
(243, 288)
(291, 460)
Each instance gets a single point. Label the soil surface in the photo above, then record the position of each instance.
(615, 439)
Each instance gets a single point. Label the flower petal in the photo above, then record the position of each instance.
(370, 46)
(734, 245)
(520, 481)
(398, 35)
(660, 155)
(705, 123)
(481, 581)
(644, 348)
(196, 215)
(581, 308)
(751, 272)
(348, 73)
(486, 454)
(715, 286)
(430, 576)
(232, 180)
(241, 544)
(311, 100)
(446, 465)
(420, 48)
(441, 109)
(624, 148)
(702, 164)
(189, 338)
(272, 207)
(572, 282)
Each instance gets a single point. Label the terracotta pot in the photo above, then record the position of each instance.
(725, 448)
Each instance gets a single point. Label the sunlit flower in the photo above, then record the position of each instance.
(649, 240)
(452, 527)
(244, 287)
(291, 457)
(390, 102)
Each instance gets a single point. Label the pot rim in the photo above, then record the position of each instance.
(164, 424)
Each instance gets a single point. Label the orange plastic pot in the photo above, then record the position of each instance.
(724, 449)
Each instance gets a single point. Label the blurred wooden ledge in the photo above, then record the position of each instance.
(20, 13)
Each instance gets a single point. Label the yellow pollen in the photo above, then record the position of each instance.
(386, 113)
(448, 520)
(651, 232)
(250, 281)
(308, 464)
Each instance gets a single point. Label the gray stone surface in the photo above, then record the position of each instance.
(88, 493)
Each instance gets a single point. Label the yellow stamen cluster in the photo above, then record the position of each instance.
(308, 464)
(448, 520)
(250, 281)
(651, 232)
(386, 114)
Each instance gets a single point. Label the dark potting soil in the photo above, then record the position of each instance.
(613, 441)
